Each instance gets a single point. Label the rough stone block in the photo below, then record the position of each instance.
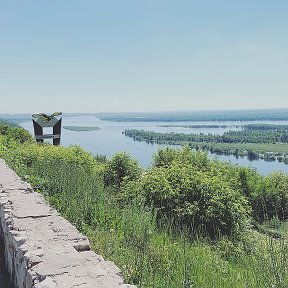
(43, 250)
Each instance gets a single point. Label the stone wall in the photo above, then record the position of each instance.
(42, 249)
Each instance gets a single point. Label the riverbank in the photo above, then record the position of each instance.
(226, 144)
(253, 151)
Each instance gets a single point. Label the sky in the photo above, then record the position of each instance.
(149, 55)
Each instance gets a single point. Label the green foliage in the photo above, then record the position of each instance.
(164, 157)
(61, 173)
(167, 156)
(33, 159)
(254, 142)
(231, 136)
(248, 180)
(188, 188)
(7, 123)
(196, 200)
(4, 128)
(19, 135)
(121, 167)
(271, 198)
(14, 134)
(261, 127)
(100, 158)
(11, 137)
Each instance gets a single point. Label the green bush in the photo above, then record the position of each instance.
(194, 199)
(271, 198)
(191, 190)
(4, 128)
(33, 159)
(121, 167)
(167, 156)
(13, 133)
(18, 135)
(164, 157)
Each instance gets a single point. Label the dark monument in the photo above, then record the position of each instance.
(43, 120)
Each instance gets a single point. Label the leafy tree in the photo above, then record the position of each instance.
(244, 181)
(196, 199)
(4, 128)
(164, 157)
(270, 200)
(121, 167)
(18, 135)
(186, 187)
(186, 156)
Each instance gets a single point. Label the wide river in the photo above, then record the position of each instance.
(110, 139)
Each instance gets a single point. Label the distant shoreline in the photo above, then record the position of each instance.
(280, 114)
(196, 116)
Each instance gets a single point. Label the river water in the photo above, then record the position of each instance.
(110, 139)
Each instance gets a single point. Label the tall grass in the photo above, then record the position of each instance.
(148, 254)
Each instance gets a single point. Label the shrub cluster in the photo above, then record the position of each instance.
(121, 167)
(270, 199)
(184, 187)
(198, 193)
(14, 134)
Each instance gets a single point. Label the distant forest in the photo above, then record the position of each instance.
(205, 115)
(236, 115)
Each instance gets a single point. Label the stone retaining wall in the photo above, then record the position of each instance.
(42, 249)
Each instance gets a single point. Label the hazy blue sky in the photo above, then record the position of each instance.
(132, 55)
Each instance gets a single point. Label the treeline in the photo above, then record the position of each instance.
(197, 126)
(263, 127)
(236, 115)
(243, 136)
(256, 141)
(249, 127)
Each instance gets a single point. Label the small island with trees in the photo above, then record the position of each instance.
(81, 128)
(256, 141)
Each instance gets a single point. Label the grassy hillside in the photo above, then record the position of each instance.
(185, 222)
